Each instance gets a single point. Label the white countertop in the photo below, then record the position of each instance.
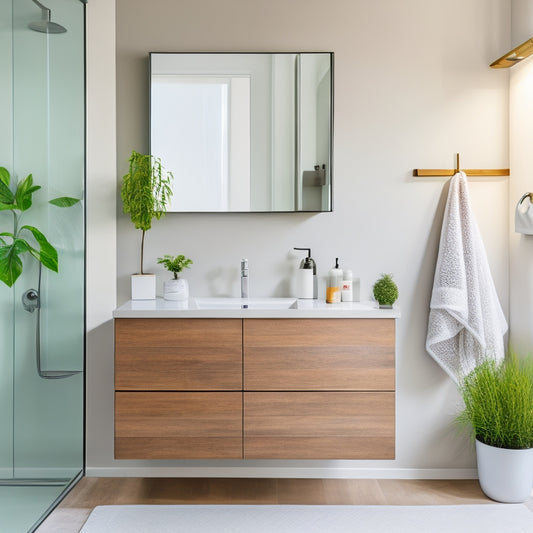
(160, 308)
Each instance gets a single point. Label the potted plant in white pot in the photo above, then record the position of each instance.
(146, 191)
(498, 401)
(175, 288)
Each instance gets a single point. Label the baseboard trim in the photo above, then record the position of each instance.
(287, 472)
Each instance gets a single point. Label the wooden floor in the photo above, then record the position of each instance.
(72, 513)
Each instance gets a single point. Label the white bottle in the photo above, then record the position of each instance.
(333, 289)
(347, 289)
(306, 281)
(356, 289)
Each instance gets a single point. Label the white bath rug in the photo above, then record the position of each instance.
(489, 518)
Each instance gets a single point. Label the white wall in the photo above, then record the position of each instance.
(412, 88)
(521, 246)
(101, 228)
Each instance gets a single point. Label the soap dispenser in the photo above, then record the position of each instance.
(306, 280)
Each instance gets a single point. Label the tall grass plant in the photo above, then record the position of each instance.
(498, 401)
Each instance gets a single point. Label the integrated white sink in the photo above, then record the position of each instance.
(246, 303)
(210, 307)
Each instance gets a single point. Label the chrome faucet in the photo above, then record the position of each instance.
(244, 278)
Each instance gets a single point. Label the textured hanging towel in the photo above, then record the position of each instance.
(466, 321)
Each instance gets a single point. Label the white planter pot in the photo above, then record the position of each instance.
(176, 289)
(505, 475)
(143, 287)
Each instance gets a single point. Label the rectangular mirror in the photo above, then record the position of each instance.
(244, 132)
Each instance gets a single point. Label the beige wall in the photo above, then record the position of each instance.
(412, 88)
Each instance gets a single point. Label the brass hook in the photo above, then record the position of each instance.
(457, 166)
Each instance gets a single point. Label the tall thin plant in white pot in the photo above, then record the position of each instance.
(146, 192)
(498, 409)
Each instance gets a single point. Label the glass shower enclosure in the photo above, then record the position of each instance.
(42, 323)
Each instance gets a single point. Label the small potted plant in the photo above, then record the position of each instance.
(175, 288)
(385, 291)
(146, 191)
(498, 399)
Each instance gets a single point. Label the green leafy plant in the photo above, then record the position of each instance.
(498, 401)
(146, 191)
(385, 290)
(15, 243)
(174, 264)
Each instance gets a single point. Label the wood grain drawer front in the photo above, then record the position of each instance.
(178, 425)
(319, 425)
(178, 354)
(313, 354)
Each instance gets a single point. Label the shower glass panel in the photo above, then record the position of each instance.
(42, 113)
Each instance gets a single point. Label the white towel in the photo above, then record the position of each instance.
(466, 321)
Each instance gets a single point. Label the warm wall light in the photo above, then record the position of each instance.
(515, 55)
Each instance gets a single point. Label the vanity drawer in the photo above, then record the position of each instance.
(185, 354)
(326, 354)
(178, 425)
(319, 425)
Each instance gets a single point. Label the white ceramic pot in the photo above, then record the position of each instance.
(143, 287)
(505, 475)
(176, 289)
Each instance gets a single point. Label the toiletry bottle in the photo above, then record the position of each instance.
(347, 288)
(356, 289)
(333, 289)
(306, 280)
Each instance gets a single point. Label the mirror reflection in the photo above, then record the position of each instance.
(244, 132)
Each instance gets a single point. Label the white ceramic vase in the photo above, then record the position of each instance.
(176, 289)
(143, 287)
(505, 475)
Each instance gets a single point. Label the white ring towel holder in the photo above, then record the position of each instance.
(523, 219)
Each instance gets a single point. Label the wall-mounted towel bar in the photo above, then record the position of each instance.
(429, 172)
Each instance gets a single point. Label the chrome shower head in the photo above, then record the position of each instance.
(45, 25)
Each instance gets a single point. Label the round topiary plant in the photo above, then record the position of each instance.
(385, 290)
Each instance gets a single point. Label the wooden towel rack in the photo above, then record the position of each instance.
(429, 172)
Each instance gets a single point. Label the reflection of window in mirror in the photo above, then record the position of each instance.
(194, 122)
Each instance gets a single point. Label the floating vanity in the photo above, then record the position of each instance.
(280, 379)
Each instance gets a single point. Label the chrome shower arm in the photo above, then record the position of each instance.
(45, 25)
(46, 12)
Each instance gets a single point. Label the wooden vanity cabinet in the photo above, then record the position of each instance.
(178, 388)
(178, 354)
(178, 425)
(254, 388)
(319, 389)
(319, 354)
(318, 425)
